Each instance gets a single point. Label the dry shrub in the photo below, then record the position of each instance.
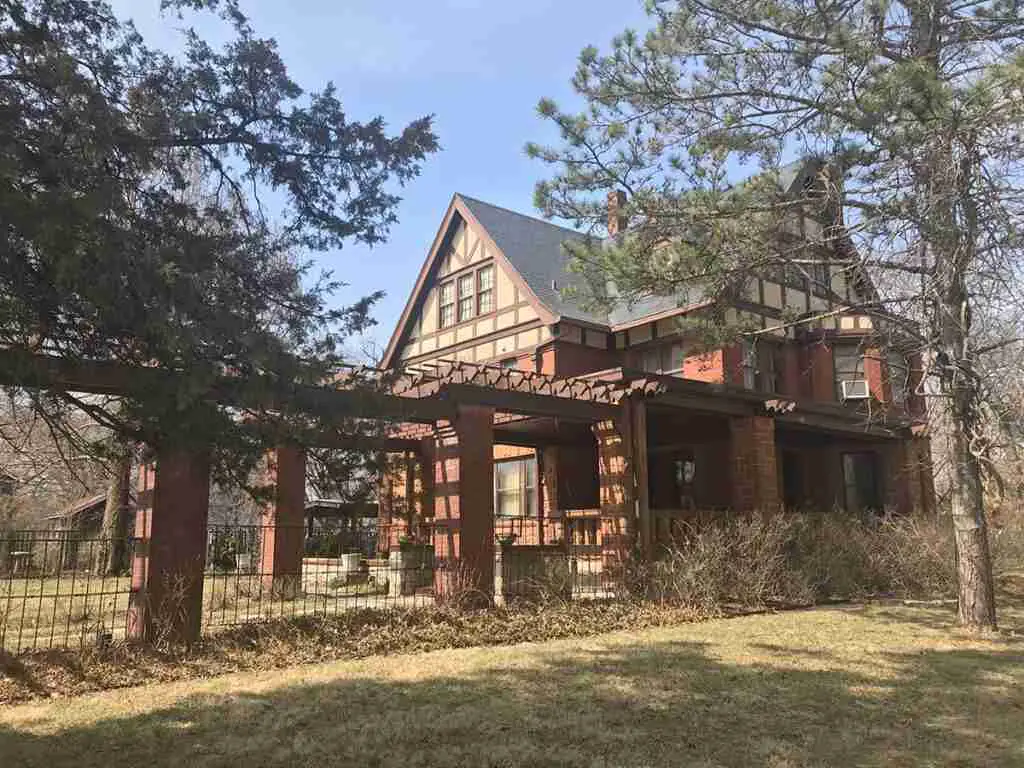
(798, 559)
(1007, 538)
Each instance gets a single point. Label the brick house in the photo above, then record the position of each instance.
(815, 414)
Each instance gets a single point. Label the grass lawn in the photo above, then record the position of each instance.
(881, 685)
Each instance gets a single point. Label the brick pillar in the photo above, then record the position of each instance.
(616, 487)
(732, 365)
(464, 503)
(549, 516)
(912, 476)
(874, 373)
(170, 549)
(755, 478)
(385, 504)
(283, 518)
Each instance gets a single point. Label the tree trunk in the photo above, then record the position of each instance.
(949, 232)
(976, 589)
(114, 532)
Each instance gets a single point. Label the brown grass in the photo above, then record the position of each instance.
(884, 684)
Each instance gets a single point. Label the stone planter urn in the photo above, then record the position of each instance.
(410, 567)
(351, 565)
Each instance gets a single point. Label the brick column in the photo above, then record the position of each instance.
(385, 504)
(464, 504)
(875, 368)
(755, 478)
(424, 485)
(549, 515)
(616, 487)
(283, 518)
(170, 549)
(912, 476)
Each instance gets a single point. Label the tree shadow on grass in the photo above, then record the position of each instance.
(651, 704)
(941, 616)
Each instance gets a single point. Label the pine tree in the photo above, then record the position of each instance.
(919, 107)
(160, 211)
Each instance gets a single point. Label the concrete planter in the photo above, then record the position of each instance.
(410, 568)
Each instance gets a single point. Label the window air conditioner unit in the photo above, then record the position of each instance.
(855, 390)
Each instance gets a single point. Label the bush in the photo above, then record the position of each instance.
(799, 559)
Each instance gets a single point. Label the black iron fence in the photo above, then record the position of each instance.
(57, 588)
(62, 588)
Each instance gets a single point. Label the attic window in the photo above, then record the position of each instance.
(485, 290)
(469, 294)
(466, 297)
(447, 303)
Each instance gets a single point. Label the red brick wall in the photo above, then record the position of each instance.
(875, 369)
(709, 366)
(819, 372)
(576, 359)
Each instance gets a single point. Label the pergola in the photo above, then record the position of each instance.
(448, 416)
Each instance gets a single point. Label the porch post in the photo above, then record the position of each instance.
(616, 486)
(424, 486)
(638, 434)
(755, 479)
(464, 503)
(281, 545)
(166, 598)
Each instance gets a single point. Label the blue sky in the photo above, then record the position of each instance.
(479, 65)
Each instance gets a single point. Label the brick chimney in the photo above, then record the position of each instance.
(617, 220)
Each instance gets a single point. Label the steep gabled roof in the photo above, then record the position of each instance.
(534, 252)
(534, 248)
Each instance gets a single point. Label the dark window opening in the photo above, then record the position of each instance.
(861, 491)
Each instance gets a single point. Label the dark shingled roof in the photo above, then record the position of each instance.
(534, 247)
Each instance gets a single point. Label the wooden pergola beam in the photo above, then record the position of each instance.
(527, 403)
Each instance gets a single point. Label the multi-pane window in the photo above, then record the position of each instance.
(662, 358)
(515, 488)
(821, 279)
(466, 297)
(485, 290)
(898, 376)
(849, 363)
(447, 303)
